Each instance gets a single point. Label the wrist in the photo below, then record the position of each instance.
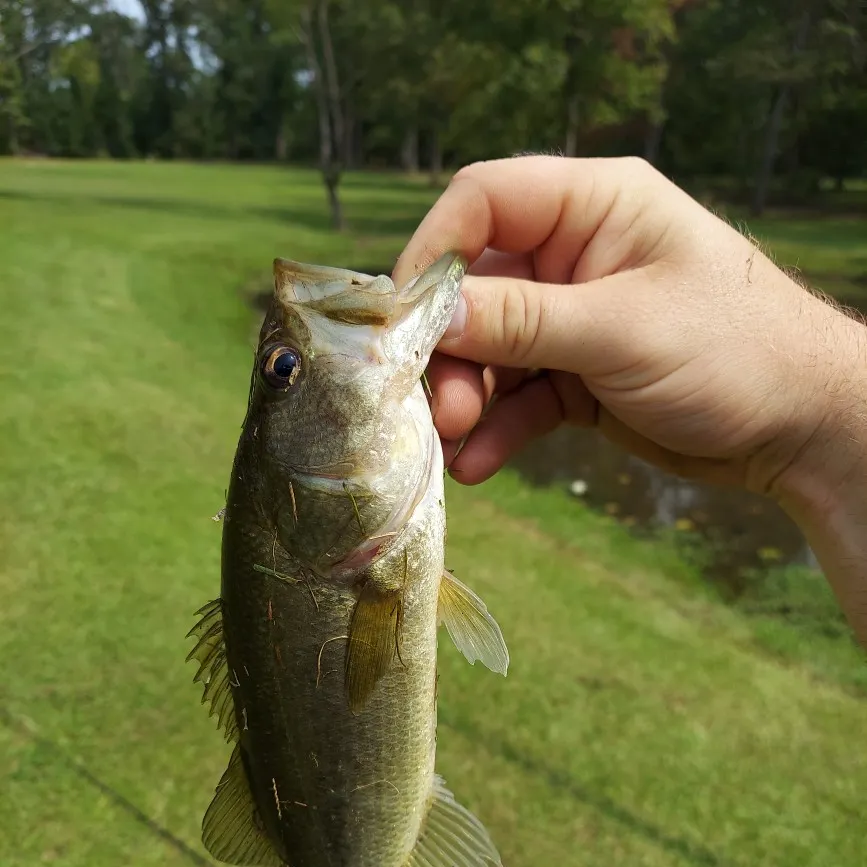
(824, 488)
(828, 467)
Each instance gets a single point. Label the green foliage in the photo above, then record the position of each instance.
(737, 87)
(736, 60)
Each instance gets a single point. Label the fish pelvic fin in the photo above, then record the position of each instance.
(374, 640)
(213, 673)
(232, 830)
(451, 836)
(474, 631)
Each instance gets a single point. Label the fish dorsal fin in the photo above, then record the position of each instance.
(232, 830)
(451, 836)
(210, 652)
(374, 636)
(473, 630)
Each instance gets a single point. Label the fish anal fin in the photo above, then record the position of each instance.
(374, 636)
(232, 830)
(451, 836)
(213, 672)
(473, 630)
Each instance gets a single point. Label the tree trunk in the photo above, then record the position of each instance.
(335, 106)
(335, 112)
(653, 140)
(358, 144)
(346, 146)
(793, 161)
(281, 142)
(349, 134)
(572, 117)
(409, 150)
(775, 122)
(281, 146)
(436, 158)
(14, 147)
(328, 107)
(769, 151)
(334, 205)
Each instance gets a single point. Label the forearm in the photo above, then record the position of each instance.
(825, 490)
(837, 535)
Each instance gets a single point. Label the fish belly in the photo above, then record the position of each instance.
(333, 788)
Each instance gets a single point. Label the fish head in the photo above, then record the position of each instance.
(344, 441)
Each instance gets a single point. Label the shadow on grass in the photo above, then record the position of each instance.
(687, 850)
(53, 749)
(386, 218)
(387, 180)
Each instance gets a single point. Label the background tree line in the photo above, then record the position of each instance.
(748, 90)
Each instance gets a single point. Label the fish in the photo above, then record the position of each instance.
(319, 656)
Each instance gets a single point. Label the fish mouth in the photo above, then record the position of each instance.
(399, 329)
(353, 298)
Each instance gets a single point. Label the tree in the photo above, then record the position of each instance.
(13, 116)
(769, 93)
(318, 42)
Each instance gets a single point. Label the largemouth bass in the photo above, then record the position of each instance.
(319, 656)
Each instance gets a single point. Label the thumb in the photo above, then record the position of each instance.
(512, 322)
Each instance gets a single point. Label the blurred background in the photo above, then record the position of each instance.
(683, 690)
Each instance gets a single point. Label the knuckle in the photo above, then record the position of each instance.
(640, 169)
(521, 320)
(636, 165)
(467, 172)
(462, 173)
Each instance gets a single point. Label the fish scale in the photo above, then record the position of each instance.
(319, 656)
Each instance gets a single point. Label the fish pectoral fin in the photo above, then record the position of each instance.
(474, 631)
(451, 836)
(374, 635)
(210, 652)
(232, 830)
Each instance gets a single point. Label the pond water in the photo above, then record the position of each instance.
(742, 530)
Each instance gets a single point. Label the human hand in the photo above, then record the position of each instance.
(650, 318)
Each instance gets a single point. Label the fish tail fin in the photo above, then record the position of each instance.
(451, 836)
(472, 628)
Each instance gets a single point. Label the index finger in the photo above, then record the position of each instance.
(553, 206)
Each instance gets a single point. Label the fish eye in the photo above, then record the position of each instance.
(281, 367)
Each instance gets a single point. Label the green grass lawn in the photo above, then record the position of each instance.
(829, 251)
(642, 723)
(826, 241)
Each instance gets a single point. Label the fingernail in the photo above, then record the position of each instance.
(459, 320)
